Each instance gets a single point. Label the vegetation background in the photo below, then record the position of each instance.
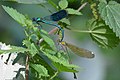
(105, 65)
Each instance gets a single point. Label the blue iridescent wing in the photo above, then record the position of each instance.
(56, 16)
(59, 15)
(48, 19)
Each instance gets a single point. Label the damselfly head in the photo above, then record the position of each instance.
(36, 19)
(33, 19)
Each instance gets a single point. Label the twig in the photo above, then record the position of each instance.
(82, 6)
(53, 30)
(27, 69)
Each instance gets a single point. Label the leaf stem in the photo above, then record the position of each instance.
(81, 31)
(54, 75)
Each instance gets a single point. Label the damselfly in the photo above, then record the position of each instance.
(52, 19)
(79, 51)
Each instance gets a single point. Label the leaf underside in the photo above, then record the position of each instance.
(102, 34)
(110, 13)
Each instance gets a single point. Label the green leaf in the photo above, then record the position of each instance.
(111, 14)
(31, 47)
(15, 15)
(28, 1)
(52, 3)
(103, 1)
(63, 4)
(73, 11)
(102, 34)
(61, 63)
(65, 21)
(14, 49)
(42, 71)
(61, 67)
(37, 59)
(48, 40)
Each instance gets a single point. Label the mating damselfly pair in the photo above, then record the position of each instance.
(51, 19)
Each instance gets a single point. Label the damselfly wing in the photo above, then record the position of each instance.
(79, 51)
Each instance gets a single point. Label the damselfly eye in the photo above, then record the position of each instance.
(33, 19)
